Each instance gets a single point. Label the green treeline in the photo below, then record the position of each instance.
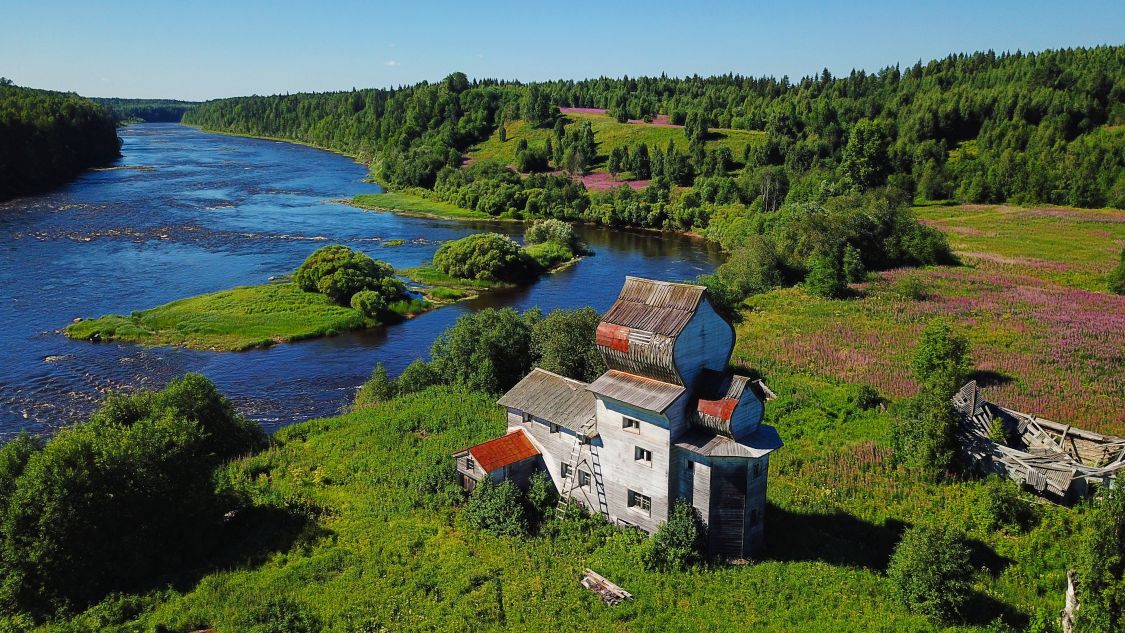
(47, 137)
(982, 127)
(147, 110)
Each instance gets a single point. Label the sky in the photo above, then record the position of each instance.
(207, 49)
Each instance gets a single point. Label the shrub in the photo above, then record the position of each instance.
(1001, 506)
(922, 434)
(752, 269)
(931, 572)
(488, 256)
(911, 287)
(563, 342)
(549, 254)
(436, 487)
(942, 359)
(487, 350)
(369, 303)
(497, 509)
(530, 160)
(1116, 278)
(542, 497)
(378, 388)
(339, 272)
(417, 376)
(678, 542)
(555, 231)
(854, 271)
(825, 277)
(120, 499)
(1101, 569)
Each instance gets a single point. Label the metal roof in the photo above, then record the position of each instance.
(549, 396)
(503, 451)
(641, 392)
(761, 442)
(660, 307)
(719, 394)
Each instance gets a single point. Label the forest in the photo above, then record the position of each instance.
(976, 128)
(146, 110)
(46, 138)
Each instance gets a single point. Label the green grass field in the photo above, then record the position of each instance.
(609, 134)
(228, 320)
(413, 204)
(385, 556)
(1072, 247)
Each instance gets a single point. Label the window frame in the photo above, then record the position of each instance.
(630, 425)
(553, 427)
(642, 455)
(565, 470)
(584, 479)
(470, 463)
(639, 502)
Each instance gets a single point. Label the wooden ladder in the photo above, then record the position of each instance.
(570, 482)
(599, 482)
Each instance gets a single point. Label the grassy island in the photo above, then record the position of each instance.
(229, 320)
(410, 204)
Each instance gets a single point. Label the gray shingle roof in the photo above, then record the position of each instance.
(761, 442)
(641, 392)
(549, 396)
(660, 307)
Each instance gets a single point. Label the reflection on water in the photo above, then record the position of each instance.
(209, 212)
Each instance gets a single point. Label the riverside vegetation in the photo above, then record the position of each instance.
(47, 138)
(336, 290)
(357, 522)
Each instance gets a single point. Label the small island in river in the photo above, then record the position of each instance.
(336, 290)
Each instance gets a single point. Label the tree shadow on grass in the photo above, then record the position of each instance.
(989, 378)
(247, 540)
(842, 539)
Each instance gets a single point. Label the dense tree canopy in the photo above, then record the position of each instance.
(46, 138)
(341, 274)
(486, 256)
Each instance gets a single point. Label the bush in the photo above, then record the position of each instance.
(563, 342)
(369, 303)
(922, 434)
(854, 271)
(282, 615)
(530, 160)
(542, 497)
(487, 256)
(911, 286)
(555, 231)
(378, 388)
(942, 359)
(497, 509)
(120, 499)
(1116, 277)
(549, 254)
(752, 269)
(1001, 506)
(678, 543)
(931, 572)
(1101, 569)
(339, 272)
(825, 277)
(487, 351)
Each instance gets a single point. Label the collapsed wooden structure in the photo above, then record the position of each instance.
(1055, 460)
(611, 594)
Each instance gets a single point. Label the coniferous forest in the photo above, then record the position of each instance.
(47, 137)
(976, 128)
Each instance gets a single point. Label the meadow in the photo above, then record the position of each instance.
(228, 320)
(1044, 340)
(609, 135)
(411, 203)
(385, 553)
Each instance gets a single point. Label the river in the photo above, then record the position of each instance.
(186, 212)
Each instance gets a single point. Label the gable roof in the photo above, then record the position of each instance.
(659, 307)
(503, 451)
(549, 396)
(639, 391)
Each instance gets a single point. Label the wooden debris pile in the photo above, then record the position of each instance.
(610, 593)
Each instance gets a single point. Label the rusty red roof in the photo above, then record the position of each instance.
(503, 451)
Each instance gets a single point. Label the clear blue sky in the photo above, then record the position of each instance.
(206, 49)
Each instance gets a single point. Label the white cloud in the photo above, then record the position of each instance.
(391, 62)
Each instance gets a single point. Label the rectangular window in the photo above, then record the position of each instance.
(629, 424)
(757, 470)
(554, 427)
(526, 417)
(690, 465)
(565, 470)
(470, 465)
(642, 455)
(583, 479)
(640, 502)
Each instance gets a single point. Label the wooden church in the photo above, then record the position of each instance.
(667, 421)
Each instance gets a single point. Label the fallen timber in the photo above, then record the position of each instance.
(611, 594)
(1055, 460)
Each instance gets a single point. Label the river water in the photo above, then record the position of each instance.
(187, 212)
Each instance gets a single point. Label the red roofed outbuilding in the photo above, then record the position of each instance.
(510, 456)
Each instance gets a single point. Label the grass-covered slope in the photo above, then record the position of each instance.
(228, 320)
(609, 135)
(393, 556)
(407, 203)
